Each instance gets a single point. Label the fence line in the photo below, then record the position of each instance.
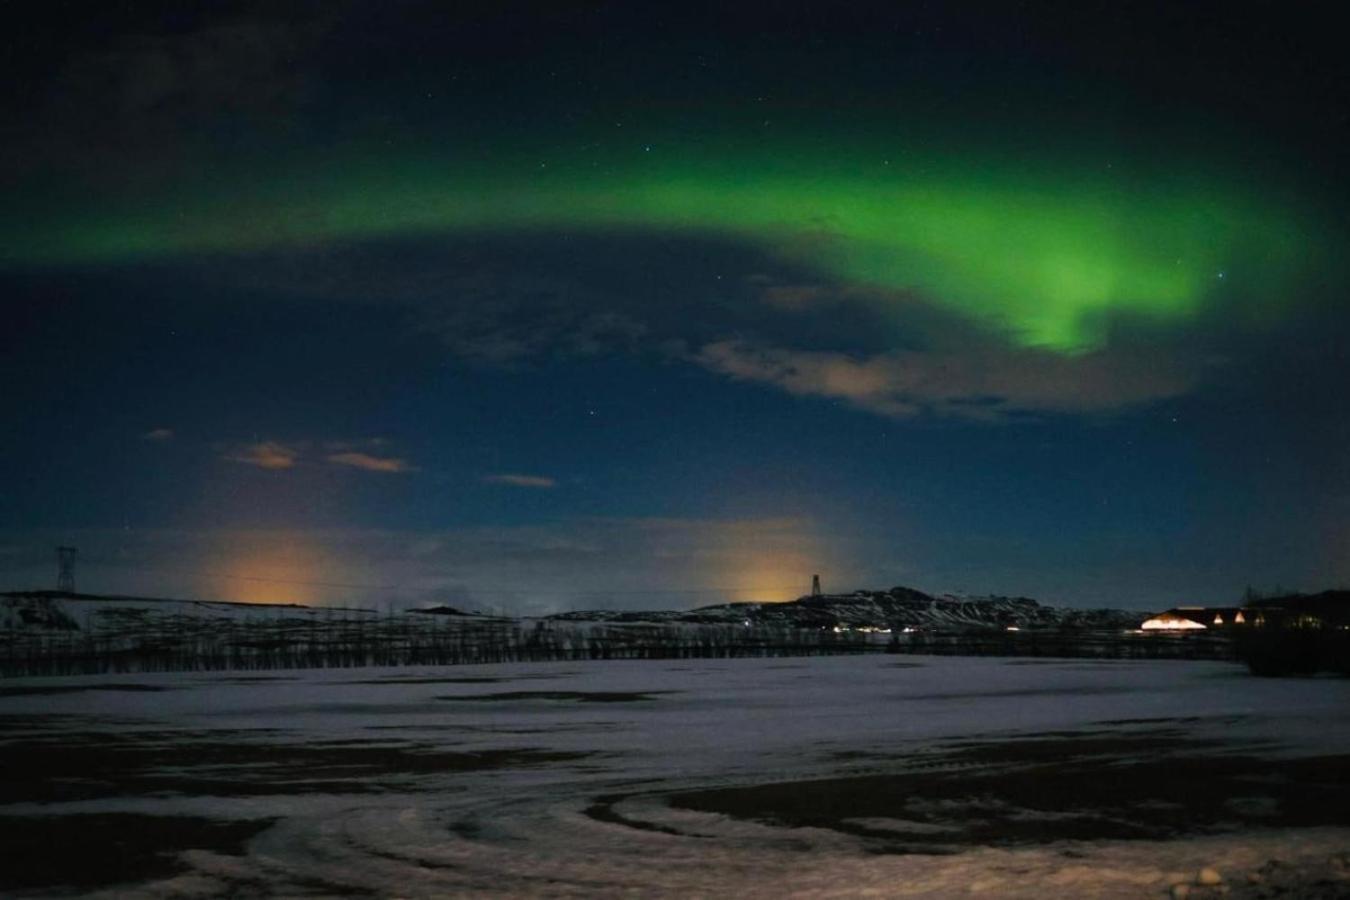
(121, 639)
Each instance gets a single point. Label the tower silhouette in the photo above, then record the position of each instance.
(65, 569)
(815, 585)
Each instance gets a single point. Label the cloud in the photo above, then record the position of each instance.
(266, 455)
(525, 481)
(275, 455)
(986, 383)
(144, 92)
(522, 320)
(369, 463)
(158, 434)
(530, 300)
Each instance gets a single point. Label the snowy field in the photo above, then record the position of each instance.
(825, 776)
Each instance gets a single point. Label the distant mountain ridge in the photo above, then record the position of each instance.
(54, 633)
(896, 608)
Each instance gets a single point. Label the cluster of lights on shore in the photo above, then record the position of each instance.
(1176, 621)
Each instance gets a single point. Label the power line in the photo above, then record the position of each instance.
(498, 591)
(729, 589)
(206, 573)
(65, 569)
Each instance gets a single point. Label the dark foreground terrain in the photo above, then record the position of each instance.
(828, 776)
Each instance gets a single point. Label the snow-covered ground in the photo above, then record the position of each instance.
(600, 778)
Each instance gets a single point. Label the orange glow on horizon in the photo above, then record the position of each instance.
(270, 567)
(767, 565)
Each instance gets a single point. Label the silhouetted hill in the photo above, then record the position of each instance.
(895, 609)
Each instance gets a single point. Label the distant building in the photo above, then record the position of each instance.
(1297, 634)
(1195, 618)
(1329, 609)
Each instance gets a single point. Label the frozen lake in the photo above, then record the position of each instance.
(934, 776)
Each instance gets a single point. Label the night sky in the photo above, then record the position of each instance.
(565, 307)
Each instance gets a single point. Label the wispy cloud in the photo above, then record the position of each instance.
(359, 460)
(522, 300)
(525, 481)
(513, 331)
(989, 384)
(276, 455)
(266, 455)
(158, 434)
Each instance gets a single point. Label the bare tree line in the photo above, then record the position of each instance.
(145, 638)
(349, 639)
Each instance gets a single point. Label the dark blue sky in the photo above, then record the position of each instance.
(573, 414)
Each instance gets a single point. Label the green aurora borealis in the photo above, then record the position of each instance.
(1047, 252)
(560, 305)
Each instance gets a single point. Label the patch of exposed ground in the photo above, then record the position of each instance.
(106, 849)
(89, 765)
(576, 696)
(477, 679)
(1018, 693)
(462, 679)
(249, 679)
(1094, 787)
(43, 690)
